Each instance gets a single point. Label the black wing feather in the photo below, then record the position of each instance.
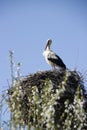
(58, 61)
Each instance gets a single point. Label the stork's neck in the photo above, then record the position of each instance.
(48, 48)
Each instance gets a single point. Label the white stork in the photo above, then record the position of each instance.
(51, 58)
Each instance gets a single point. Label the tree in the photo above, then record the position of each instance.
(49, 100)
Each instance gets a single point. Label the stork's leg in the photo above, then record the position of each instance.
(53, 68)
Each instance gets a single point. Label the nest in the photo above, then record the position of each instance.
(32, 96)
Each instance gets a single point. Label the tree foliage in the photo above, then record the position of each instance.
(49, 100)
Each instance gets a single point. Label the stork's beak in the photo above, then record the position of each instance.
(49, 41)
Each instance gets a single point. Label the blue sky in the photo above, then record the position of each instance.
(25, 26)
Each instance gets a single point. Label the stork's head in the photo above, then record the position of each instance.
(49, 41)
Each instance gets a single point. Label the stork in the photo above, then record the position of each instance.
(52, 58)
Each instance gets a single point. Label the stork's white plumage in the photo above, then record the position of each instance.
(51, 58)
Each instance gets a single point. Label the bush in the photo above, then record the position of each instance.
(49, 100)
